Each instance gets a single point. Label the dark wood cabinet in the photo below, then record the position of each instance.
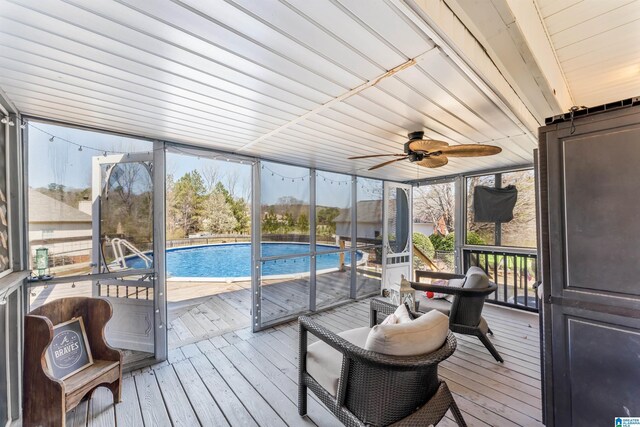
(589, 207)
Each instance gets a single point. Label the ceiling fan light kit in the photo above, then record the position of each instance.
(431, 153)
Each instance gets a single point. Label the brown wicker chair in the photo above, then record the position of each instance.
(465, 312)
(379, 390)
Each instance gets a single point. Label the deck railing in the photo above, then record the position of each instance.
(514, 271)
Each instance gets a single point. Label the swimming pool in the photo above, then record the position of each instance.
(232, 261)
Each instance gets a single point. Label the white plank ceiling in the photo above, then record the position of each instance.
(291, 80)
(597, 43)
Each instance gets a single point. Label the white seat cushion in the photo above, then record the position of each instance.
(423, 335)
(442, 305)
(324, 362)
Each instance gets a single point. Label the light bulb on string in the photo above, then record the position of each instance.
(80, 148)
(51, 139)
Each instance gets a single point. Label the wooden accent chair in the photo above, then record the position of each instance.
(375, 389)
(46, 399)
(465, 308)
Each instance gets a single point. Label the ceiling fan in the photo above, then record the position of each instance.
(431, 153)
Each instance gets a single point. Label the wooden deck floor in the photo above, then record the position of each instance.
(193, 317)
(244, 379)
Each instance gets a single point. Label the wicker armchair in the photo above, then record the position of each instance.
(465, 311)
(379, 390)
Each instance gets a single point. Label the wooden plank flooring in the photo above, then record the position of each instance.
(199, 318)
(244, 379)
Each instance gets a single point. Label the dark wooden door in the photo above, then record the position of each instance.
(590, 223)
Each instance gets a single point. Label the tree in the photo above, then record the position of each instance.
(288, 222)
(423, 243)
(474, 238)
(448, 242)
(219, 218)
(210, 175)
(242, 213)
(270, 222)
(232, 177)
(172, 223)
(188, 202)
(303, 223)
(57, 190)
(238, 207)
(326, 218)
(435, 201)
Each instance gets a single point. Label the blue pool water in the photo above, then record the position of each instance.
(233, 260)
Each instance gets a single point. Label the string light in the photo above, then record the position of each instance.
(7, 120)
(105, 153)
(81, 147)
(283, 177)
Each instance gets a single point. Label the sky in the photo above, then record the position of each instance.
(62, 162)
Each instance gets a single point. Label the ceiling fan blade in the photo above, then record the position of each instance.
(375, 155)
(428, 145)
(387, 163)
(470, 150)
(433, 162)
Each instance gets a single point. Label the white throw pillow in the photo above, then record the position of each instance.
(402, 314)
(423, 335)
(391, 319)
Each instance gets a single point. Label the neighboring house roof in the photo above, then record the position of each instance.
(368, 211)
(43, 208)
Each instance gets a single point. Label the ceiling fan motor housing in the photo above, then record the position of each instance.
(413, 136)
